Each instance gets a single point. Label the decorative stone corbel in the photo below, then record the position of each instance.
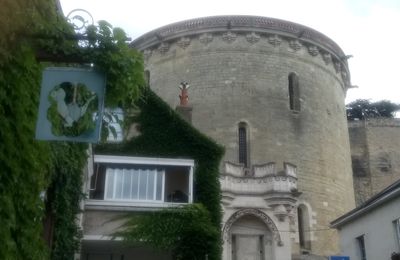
(163, 48)
(147, 54)
(253, 37)
(327, 57)
(274, 40)
(184, 42)
(280, 212)
(205, 38)
(295, 45)
(229, 37)
(338, 66)
(313, 50)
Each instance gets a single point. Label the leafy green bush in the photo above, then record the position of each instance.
(187, 232)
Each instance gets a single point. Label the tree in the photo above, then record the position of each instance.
(362, 109)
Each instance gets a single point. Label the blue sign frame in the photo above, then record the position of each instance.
(338, 257)
(64, 116)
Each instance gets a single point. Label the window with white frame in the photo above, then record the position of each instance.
(136, 179)
(134, 184)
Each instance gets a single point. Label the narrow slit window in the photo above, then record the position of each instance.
(294, 92)
(303, 227)
(147, 77)
(243, 145)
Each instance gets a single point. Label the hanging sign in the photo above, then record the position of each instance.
(71, 105)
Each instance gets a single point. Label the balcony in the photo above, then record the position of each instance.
(262, 180)
(121, 182)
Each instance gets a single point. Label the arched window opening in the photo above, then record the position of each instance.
(147, 77)
(294, 92)
(303, 227)
(243, 145)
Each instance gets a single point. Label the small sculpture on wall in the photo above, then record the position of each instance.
(184, 97)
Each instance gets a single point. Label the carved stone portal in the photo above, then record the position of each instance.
(254, 212)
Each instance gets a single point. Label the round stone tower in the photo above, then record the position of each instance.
(272, 93)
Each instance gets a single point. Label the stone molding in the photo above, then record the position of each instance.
(236, 22)
(253, 29)
(254, 212)
(259, 170)
(258, 186)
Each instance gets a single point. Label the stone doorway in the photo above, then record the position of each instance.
(247, 247)
(251, 239)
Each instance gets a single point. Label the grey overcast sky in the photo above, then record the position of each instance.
(367, 29)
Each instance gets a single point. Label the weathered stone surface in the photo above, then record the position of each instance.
(375, 155)
(245, 82)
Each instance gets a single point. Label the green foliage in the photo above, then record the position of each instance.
(19, 17)
(362, 109)
(79, 97)
(104, 47)
(64, 195)
(166, 134)
(24, 162)
(187, 232)
(108, 50)
(29, 166)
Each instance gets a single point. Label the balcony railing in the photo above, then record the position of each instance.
(263, 179)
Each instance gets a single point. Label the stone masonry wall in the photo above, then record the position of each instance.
(241, 75)
(375, 155)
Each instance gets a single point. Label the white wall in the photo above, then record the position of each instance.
(378, 230)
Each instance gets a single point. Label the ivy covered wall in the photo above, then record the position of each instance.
(29, 169)
(163, 133)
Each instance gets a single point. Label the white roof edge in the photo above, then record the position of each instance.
(142, 160)
(357, 212)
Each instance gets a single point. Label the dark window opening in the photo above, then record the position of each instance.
(147, 77)
(294, 92)
(304, 228)
(243, 151)
(361, 246)
(301, 227)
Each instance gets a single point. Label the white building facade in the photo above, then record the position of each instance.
(372, 230)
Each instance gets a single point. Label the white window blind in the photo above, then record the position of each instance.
(134, 184)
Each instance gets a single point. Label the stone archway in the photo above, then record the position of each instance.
(253, 212)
